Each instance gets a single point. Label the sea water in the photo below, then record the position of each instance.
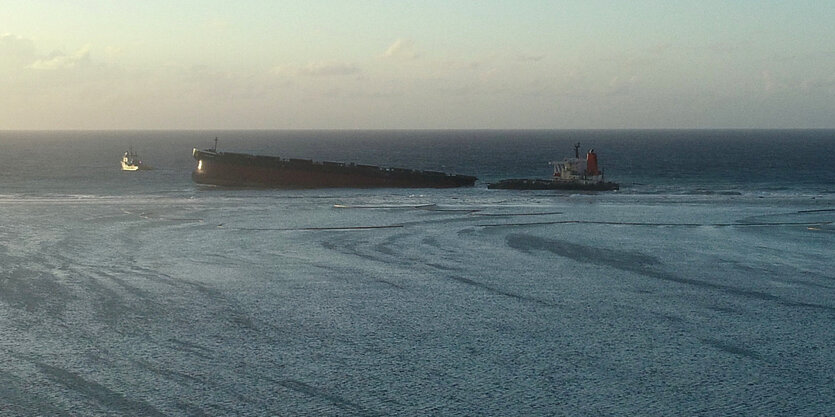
(704, 286)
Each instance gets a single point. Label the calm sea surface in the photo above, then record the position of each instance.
(705, 286)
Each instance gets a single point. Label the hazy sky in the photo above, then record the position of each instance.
(263, 64)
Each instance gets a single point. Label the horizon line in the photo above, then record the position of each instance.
(418, 129)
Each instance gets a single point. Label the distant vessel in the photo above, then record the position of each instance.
(569, 174)
(131, 162)
(245, 170)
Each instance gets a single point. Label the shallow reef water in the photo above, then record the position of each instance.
(144, 294)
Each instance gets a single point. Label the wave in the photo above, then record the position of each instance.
(387, 206)
(735, 224)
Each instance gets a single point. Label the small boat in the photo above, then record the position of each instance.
(569, 174)
(131, 162)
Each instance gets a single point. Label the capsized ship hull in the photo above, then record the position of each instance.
(245, 170)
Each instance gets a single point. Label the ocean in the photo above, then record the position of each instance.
(704, 286)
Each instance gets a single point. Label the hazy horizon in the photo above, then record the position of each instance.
(706, 129)
(375, 65)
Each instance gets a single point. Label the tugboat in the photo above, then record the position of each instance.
(230, 169)
(131, 162)
(569, 174)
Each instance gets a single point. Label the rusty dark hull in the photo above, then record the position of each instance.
(539, 184)
(244, 170)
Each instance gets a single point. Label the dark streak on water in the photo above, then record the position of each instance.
(499, 291)
(107, 398)
(640, 264)
(320, 394)
(733, 349)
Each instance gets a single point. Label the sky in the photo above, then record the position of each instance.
(429, 64)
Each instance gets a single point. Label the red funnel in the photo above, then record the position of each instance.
(591, 163)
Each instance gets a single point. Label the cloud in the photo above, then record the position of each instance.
(620, 86)
(779, 83)
(462, 65)
(19, 53)
(62, 61)
(724, 48)
(661, 49)
(16, 46)
(15, 52)
(818, 85)
(529, 58)
(401, 49)
(770, 83)
(329, 69)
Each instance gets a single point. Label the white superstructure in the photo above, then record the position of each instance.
(577, 169)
